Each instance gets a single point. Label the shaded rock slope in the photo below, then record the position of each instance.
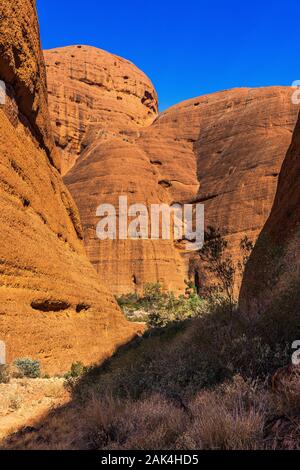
(272, 277)
(52, 306)
(224, 150)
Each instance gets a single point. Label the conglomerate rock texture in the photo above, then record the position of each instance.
(272, 277)
(224, 150)
(52, 306)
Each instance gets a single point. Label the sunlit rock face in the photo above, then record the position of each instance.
(92, 91)
(224, 150)
(52, 306)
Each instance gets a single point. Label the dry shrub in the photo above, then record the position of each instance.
(238, 415)
(15, 403)
(4, 374)
(54, 389)
(230, 418)
(287, 396)
(153, 423)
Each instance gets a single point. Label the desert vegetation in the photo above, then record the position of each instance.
(220, 264)
(203, 376)
(159, 307)
(204, 371)
(20, 368)
(212, 382)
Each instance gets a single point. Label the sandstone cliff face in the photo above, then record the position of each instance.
(242, 141)
(224, 150)
(52, 306)
(92, 91)
(99, 104)
(230, 145)
(22, 67)
(273, 272)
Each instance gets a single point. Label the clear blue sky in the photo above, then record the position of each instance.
(187, 48)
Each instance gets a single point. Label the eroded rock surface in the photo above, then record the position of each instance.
(45, 275)
(92, 92)
(224, 150)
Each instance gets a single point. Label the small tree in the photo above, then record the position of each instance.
(77, 369)
(221, 265)
(153, 292)
(246, 246)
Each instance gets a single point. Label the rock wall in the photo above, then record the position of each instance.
(224, 150)
(99, 104)
(272, 275)
(22, 67)
(52, 307)
(94, 92)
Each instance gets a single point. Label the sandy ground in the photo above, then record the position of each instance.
(25, 401)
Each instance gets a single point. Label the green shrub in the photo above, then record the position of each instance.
(77, 369)
(73, 376)
(153, 292)
(28, 368)
(187, 356)
(130, 301)
(170, 309)
(158, 308)
(4, 374)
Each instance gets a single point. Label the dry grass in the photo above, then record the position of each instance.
(231, 417)
(202, 384)
(151, 423)
(287, 395)
(23, 401)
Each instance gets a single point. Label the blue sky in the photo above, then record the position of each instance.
(188, 48)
